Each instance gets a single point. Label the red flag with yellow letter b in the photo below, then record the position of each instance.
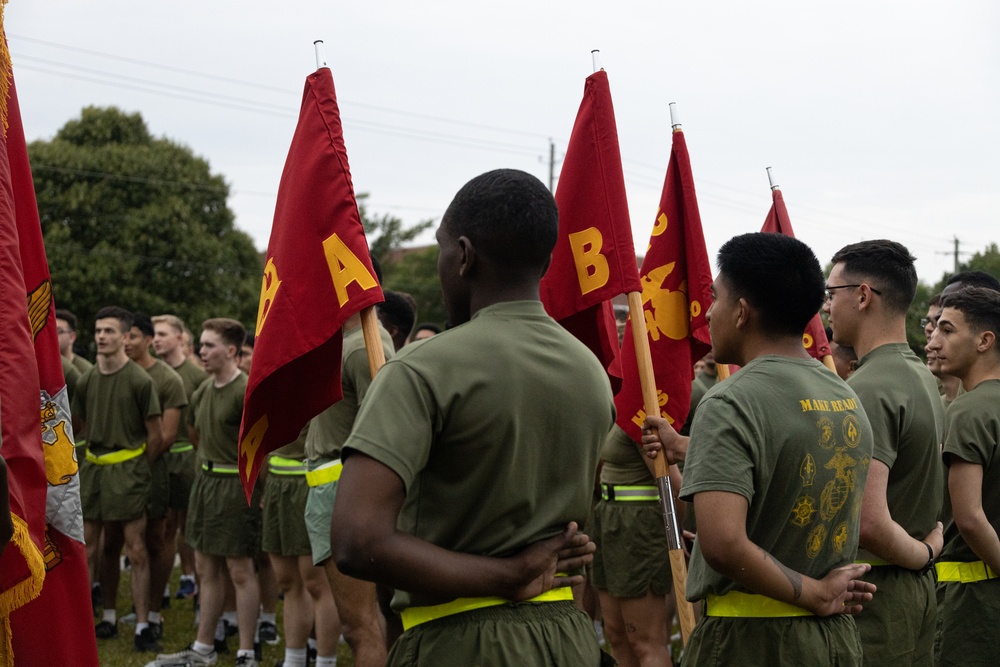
(676, 293)
(317, 274)
(594, 257)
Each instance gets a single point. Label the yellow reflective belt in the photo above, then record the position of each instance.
(279, 465)
(326, 473)
(966, 573)
(414, 616)
(736, 604)
(120, 456)
(221, 468)
(181, 447)
(623, 493)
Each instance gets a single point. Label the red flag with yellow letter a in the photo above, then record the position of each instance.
(676, 293)
(594, 257)
(778, 222)
(317, 274)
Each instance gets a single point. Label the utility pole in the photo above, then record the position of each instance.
(552, 165)
(956, 254)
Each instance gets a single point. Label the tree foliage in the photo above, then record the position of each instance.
(415, 271)
(140, 222)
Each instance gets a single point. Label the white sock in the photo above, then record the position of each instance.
(330, 661)
(187, 577)
(244, 652)
(311, 643)
(230, 617)
(268, 618)
(204, 649)
(154, 617)
(139, 627)
(166, 591)
(110, 615)
(295, 657)
(220, 630)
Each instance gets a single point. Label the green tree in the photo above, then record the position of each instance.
(413, 271)
(140, 222)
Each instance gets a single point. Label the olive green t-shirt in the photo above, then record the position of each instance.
(790, 437)
(169, 386)
(216, 412)
(494, 427)
(192, 375)
(330, 428)
(81, 364)
(115, 407)
(900, 397)
(972, 434)
(295, 449)
(72, 376)
(623, 462)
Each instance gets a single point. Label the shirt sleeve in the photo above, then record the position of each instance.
(721, 452)
(882, 416)
(396, 423)
(969, 434)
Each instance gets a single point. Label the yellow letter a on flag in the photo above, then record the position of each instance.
(345, 268)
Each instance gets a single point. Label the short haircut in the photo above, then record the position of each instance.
(123, 316)
(974, 279)
(142, 322)
(68, 317)
(935, 300)
(778, 275)
(845, 352)
(429, 326)
(230, 331)
(888, 265)
(979, 305)
(400, 309)
(170, 320)
(249, 339)
(510, 217)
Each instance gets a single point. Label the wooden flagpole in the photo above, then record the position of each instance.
(647, 382)
(826, 358)
(369, 318)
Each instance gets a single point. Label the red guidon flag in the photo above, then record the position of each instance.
(45, 611)
(676, 293)
(317, 274)
(594, 257)
(777, 221)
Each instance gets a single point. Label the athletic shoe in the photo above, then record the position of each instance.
(129, 618)
(165, 603)
(187, 589)
(221, 646)
(106, 630)
(145, 641)
(96, 599)
(247, 661)
(186, 658)
(157, 629)
(268, 633)
(231, 628)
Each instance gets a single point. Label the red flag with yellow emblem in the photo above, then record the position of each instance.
(676, 293)
(778, 222)
(317, 274)
(594, 257)
(45, 616)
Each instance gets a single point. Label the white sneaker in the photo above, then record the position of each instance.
(186, 658)
(246, 661)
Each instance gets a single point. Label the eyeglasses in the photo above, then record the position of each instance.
(828, 294)
(64, 331)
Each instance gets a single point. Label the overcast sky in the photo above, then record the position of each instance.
(879, 118)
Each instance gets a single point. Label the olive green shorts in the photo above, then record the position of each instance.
(632, 557)
(526, 635)
(898, 625)
(219, 522)
(285, 531)
(181, 466)
(969, 617)
(159, 490)
(116, 492)
(802, 641)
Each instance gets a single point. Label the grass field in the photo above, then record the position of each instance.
(178, 632)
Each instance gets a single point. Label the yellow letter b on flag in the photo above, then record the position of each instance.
(591, 266)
